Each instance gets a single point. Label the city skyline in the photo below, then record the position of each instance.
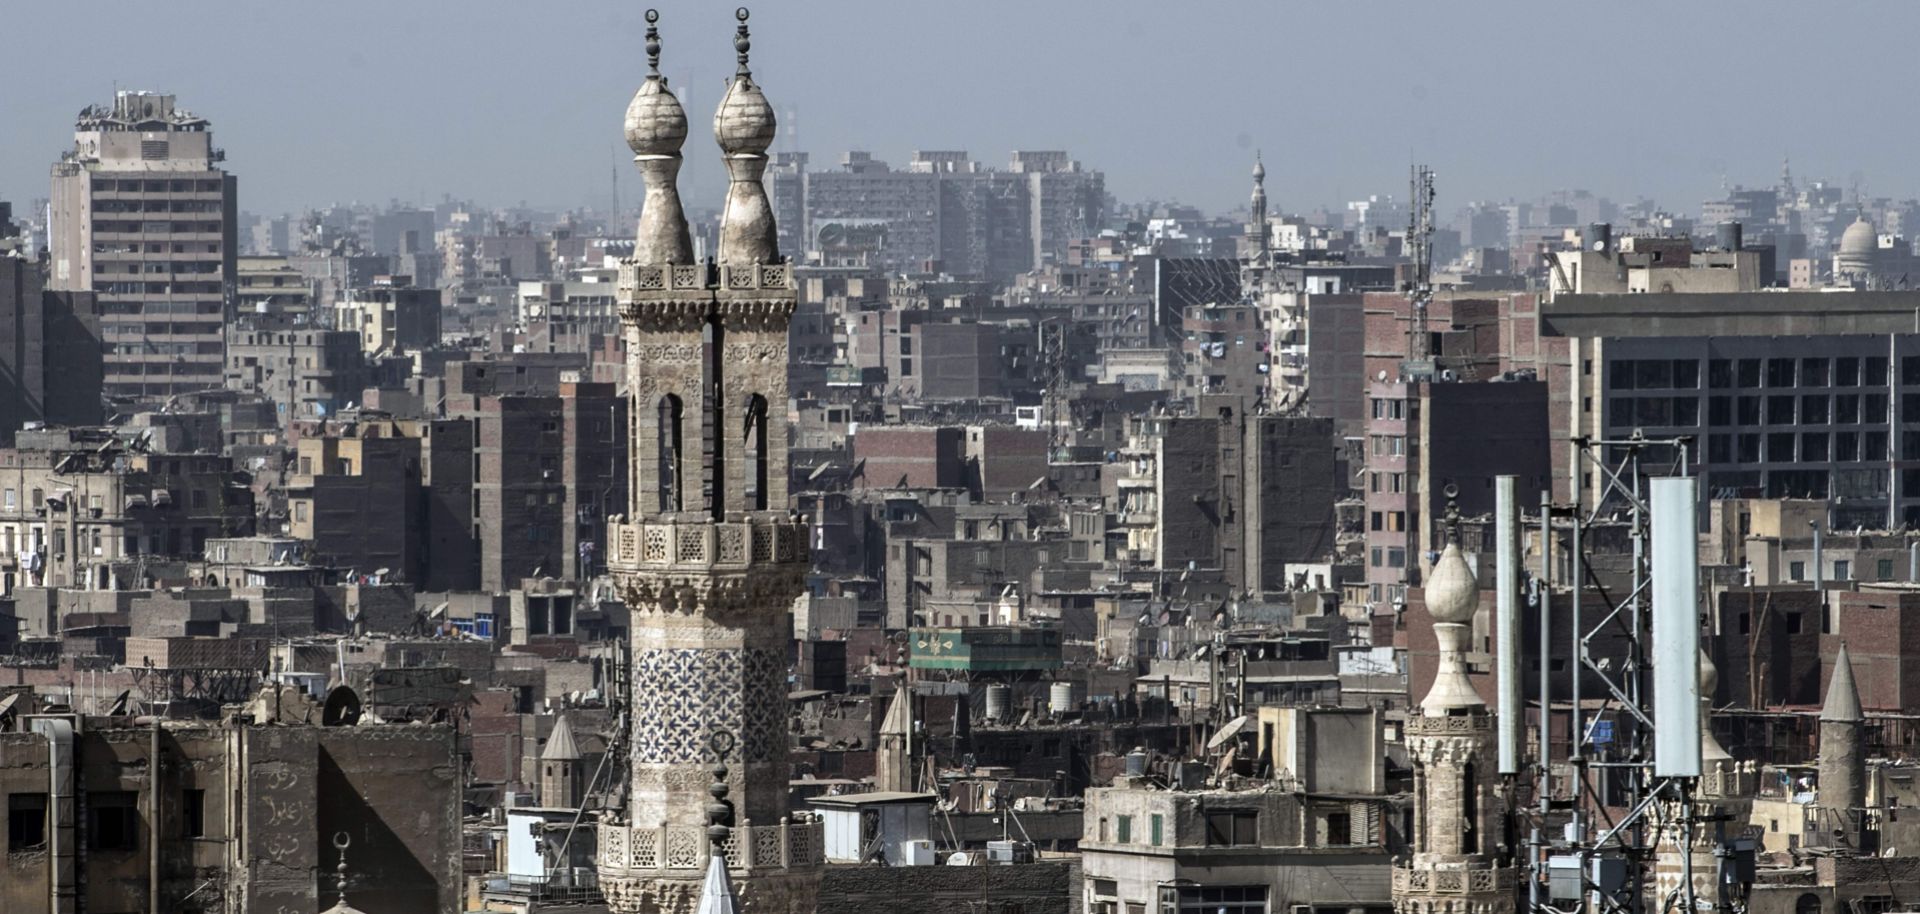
(1170, 108)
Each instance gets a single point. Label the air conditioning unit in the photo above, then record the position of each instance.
(917, 853)
(1004, 852)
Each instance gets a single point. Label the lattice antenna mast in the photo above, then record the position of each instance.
(1420, 247)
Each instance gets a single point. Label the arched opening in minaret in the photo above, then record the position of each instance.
(756, 451)
(713, 434)
(1469, 811)
(671, 415)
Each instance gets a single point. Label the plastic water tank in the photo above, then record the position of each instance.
(998, 696)
(1064, 697)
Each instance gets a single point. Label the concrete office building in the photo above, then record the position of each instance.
(1785, 394)
(142, 216)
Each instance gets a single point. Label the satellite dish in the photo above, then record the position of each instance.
(342, 708)
(1380, 375)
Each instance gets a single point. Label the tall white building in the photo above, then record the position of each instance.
(143, 216)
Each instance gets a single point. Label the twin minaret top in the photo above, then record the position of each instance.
(744, 127)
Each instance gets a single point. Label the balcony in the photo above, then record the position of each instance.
(683, 850)
(1409, 881)
(667, 544)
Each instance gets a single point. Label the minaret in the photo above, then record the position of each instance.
(1842, 795)
(708, 557)
(1454, 866)
(1726, 789)
(893, 763)
(1256, 249)
(560, 768)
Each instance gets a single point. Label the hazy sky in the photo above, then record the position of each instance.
(511, 100)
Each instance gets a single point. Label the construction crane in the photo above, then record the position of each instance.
(1420, 284)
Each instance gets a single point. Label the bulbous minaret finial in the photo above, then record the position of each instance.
(656, 129)
(744, 127)
(1452, 597)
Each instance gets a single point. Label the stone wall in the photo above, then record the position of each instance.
(1045, 887)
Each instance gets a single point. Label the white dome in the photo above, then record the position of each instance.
(1452, 594)
(1859, 240)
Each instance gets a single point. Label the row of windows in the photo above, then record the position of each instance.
(1684, 374)
(1389, 446)
(130, 227)
(1777, 409)
(1389, 521)
(156, 206)
(1389, 409)
(1804, 447)
(175, 186)
(1391, 557)
(1387, 482)
(113, 820)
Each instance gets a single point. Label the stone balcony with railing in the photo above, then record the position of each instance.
(692, 543)
(682, 851)
(1482, 881)
(648, 279)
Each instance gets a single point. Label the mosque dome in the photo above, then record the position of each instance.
(1859, 241)
(1259, 169)
(1453, 594)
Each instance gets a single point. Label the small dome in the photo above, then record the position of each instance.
(1259, 169)
(1860, 239)
(745, 123)
(1453, 595)
(656, 124)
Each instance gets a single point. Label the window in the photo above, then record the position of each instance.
(113, 821)
(1813, 372)
(1720, 373)
(1846, 372)
(1813, 410)
(1842, 570)
(1780, 372)
(1340, 829)
(1883, 569)
(1796, 571)
(1229, 899)
(26, 821)
(1719, 411)
(1846, 409)
(1233, 828)
(193, 814)
(1123, 829)
(1155, 827)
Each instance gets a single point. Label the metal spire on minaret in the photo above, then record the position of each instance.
(716, 893)
(341, 841)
